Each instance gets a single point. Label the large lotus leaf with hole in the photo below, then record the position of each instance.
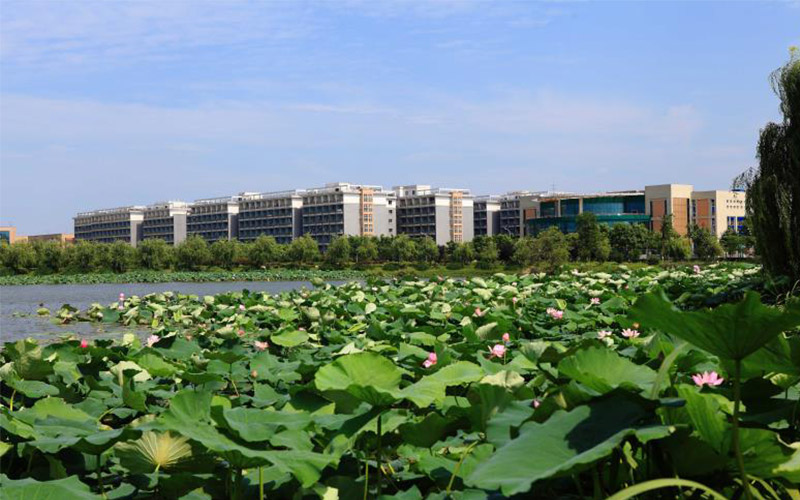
(731, 331)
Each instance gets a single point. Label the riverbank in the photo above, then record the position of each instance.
(391, 270)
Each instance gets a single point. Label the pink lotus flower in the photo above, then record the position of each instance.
(261, 346)
(555, 313)
(431, 361)
(595, 301)
(478, 312)
(536, 403)
(254, 374)
(630, 334)
(696, 269)
(241, 307)
(152, 339)
(498, 351)
(603, 334)
(84, 343)
(707, 378)
(506, 337)
(121, 296)
(240, 333)
(513, 283)
(514, 300)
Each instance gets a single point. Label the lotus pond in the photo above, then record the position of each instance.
(661, 384)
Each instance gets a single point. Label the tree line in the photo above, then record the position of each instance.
(548, 250)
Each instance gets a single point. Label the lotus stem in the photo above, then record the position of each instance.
(100, 476)
(366, 477)
(737, 449)
(380, 468)
(11, 402)
(260, 483)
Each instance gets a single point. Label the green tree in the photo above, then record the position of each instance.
(524, 251)
(628, 241)
(224, 253)
(50, 256)
(706, 246)
(338, 252)
(404, 249)
(488, 255)
(264, 251)
(121, 257)
(303, 250)
(385, 246)
(677, 249)
(552, 249)
(463, 253)
(81, 256)
(192, 253)
(734, 244)
(505, 246)
(155, 254)
(427, 250)
(773, 188)
(592, 240)
(20, 257)
(367, 250)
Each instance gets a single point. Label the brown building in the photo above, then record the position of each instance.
(8, 234)
(63, 238)
(665, 199)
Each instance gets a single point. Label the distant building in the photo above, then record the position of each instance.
(110, 225)
(718, 210)
(8, 234)
(669, 199)
(166, 220)
(341, 208)
(278, 214)
(63, 238)
(561, 210)
(486, 215)
(443, 214)
(214, 218)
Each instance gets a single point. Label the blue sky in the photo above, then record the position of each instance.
(109, 103)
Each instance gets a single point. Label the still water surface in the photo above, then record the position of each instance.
(18, 304)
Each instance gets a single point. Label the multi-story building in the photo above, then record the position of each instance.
(277, 214)
(214, 218)
(443, 214)
(166, 220)
(63, 238)
(341, 208)
(486, 215)
(561, 210)
(109, 225)
(8, 234)
(665, 199)
(718, 210)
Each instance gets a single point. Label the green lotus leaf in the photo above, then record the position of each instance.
(60, 489)
(292, 338)
(731, 331)
(366, 376)
(432, 388)
(566, 440)
(604, 370)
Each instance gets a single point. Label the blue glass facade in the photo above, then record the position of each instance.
(608, 209)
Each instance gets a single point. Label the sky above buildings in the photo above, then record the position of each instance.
(107, 104)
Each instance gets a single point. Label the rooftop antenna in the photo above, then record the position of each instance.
(553, 187)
